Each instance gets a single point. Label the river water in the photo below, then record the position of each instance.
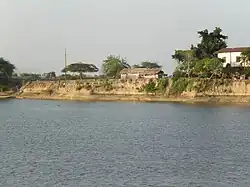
(65, 143)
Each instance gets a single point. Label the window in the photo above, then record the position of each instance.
(238, 59)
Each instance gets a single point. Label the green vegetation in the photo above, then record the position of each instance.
(200, 61)
(245, 57)
(4, 88)
(6, 68)
(156, 87)
(113, 65)
(179, 85)
(80, 68)
(199, 69)
(6, 72)
(150, 87)
(162, 85)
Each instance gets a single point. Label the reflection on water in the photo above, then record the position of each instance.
(62, 143)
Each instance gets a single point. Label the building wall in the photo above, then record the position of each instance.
(151, 76)
(136, 76)
(230, 58)
(123, 76)
(133, 76)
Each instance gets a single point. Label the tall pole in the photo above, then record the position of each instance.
(65, 63)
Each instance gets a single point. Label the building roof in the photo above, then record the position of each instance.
(230, 50)
(148, 71)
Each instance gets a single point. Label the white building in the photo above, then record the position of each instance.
(232, 56)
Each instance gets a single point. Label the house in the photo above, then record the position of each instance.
(136, 73)
(231, 56)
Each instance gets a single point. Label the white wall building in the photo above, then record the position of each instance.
(231, 56)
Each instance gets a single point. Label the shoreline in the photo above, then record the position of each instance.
(214, 100)
(7, 97)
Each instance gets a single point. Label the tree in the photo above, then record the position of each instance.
(30, 76)
(6, 68)
(113, 65)
(245, 58)
(185, 59)
(50, 75)
(208, 68)
(147, 64)
(201, 60)
(210, 43)
(80, 68)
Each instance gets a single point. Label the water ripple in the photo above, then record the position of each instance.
(55, 143)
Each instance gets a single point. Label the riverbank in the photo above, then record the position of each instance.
(6, 95)
(201, 91)
(222, 100)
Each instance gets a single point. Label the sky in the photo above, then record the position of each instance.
(34, 33)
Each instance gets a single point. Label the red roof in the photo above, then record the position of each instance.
(230, 50)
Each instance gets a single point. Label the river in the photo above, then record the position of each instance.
(67, 143)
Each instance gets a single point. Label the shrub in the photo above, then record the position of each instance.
(162, 85)
(150, 87)
(4, 88)
(178, 86)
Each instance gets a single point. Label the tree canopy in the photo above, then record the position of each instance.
(80, 68)
(201, 60)
(147, 64)
(6, 68)
(112, 65)
(210, 43)
(49, 75)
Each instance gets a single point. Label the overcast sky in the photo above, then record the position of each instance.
(34, 33)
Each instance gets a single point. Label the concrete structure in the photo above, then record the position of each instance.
(136, 73)
(232, 56)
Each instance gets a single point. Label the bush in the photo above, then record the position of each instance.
(178, 86)
(150, 87)
(162, 85)
(4, 88)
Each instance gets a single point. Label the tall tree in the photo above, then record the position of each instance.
(80, 68)
(6, 68)
(113, 65)
(201, 60)
(210, 43)
(185, 59)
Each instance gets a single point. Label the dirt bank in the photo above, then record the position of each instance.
(225, 100)
(237, 92)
